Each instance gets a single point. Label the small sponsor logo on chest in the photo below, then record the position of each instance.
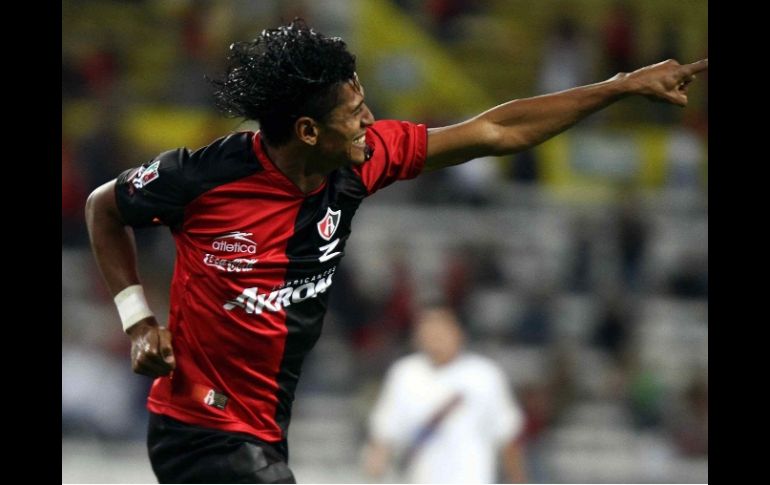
(237, 265)
(235, 242)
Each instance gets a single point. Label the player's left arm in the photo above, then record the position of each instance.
(514, 463)
(523, 123)
(376, 458)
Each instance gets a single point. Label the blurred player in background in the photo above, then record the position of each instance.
(260, 221)
(445, 415)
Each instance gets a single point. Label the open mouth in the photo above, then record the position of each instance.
(360, 141)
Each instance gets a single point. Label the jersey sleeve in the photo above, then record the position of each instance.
(158, 191)
(508, 418)
(399, 151)
(155, 192)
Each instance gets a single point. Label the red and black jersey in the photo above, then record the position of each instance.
(255, 258)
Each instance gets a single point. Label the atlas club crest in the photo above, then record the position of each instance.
(328, 225)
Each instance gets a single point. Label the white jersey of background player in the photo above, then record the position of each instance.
(444, 415)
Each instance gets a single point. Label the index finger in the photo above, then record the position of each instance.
(695, 67)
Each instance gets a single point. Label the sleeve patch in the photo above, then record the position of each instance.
(146, 175)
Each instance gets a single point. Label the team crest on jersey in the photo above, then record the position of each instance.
(145, 175)
(328, 225)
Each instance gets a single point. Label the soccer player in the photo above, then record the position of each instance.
(260, 221)
(448, 415)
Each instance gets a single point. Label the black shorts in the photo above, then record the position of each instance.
(183, 453)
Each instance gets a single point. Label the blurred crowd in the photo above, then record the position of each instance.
(596, 306)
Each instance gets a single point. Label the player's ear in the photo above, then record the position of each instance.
(306, 130)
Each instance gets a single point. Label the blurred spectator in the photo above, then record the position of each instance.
(72, 83)
(397, 312)
(620, 36)
(73, 197)
(470, 267)
(524, 167)
(670, 41)
(193, 38)
(102, 153)
(684, 153)
(689, 425)
(579, 273)
(101, 397)
(536, 326)
(470, 183)
(633, 236)
(189, 85)
(445, 414)
(379, 338)
(646, 398)
(566, 60)
(444, 15)
(538, 409)
(613, 330)
(433, 188)
(561, 385)
(99, 69)
(690, 278)
(538, 406)
(349, 305)
(458, 278)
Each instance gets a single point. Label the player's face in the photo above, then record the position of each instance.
(438, 334)
(342, 137)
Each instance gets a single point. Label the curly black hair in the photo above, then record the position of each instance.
(285, 73)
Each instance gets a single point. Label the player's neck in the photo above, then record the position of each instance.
(443, 360)
(293, 163)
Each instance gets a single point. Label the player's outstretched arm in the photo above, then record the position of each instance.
(112, 243)
(524, 123)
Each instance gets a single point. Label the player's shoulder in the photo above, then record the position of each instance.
(232, 152)
(388, 128)
(409, 363)
(389, 124)
(227, 158)
(223, 147)
(481, 363)
(234, 145)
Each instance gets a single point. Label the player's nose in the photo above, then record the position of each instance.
(368, 118)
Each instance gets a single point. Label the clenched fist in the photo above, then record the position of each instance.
(151, 351)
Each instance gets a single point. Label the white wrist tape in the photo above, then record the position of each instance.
(132, 306)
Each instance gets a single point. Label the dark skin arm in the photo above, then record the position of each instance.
(113, 246)
(523, 123)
